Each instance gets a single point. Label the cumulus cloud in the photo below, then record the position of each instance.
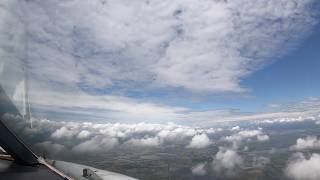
(304, 168)
(63, 132)
(310, 142)
(240, 136)
(226, 161)
(84, 134)
(199, 141)
(87, 137)
(199, 169)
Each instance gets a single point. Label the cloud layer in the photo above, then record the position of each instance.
(66, 137)
(88, 65)
(199, 46)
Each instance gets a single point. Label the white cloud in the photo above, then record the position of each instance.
(294, 117)
(63, 132)
(235, 128)
(145, 142)
(302, 168)
(248, 133)
(95, 145)
(199, 169)
(105, 107)
(178, 133)
(122, 109)
(240, 136)
(84, 134)
(310, 142)
(211, 117)
(195, 45)
(226, 161)
(87, 137)
(199, 141)
(263, 137)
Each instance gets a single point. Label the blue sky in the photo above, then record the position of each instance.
(293, 77)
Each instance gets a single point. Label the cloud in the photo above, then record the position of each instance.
(87, 137)
(84, 134)
(144, 142)
(96, 144)
(310, 142)
(86, 67)
(235, 128)
(310, 103)
(211, 117)
(199, 169)
(239, 137)
(226, 161)
(303, 168)
(110, 108)
(307, 116)
(263, 138)
(63, 132)
(199, 141)
(199, 46)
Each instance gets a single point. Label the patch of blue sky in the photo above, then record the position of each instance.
(293, 77)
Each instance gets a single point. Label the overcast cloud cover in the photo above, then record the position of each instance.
(204, 46)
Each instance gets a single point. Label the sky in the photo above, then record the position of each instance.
(104, 74)
(188, 62)
(293, 77)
